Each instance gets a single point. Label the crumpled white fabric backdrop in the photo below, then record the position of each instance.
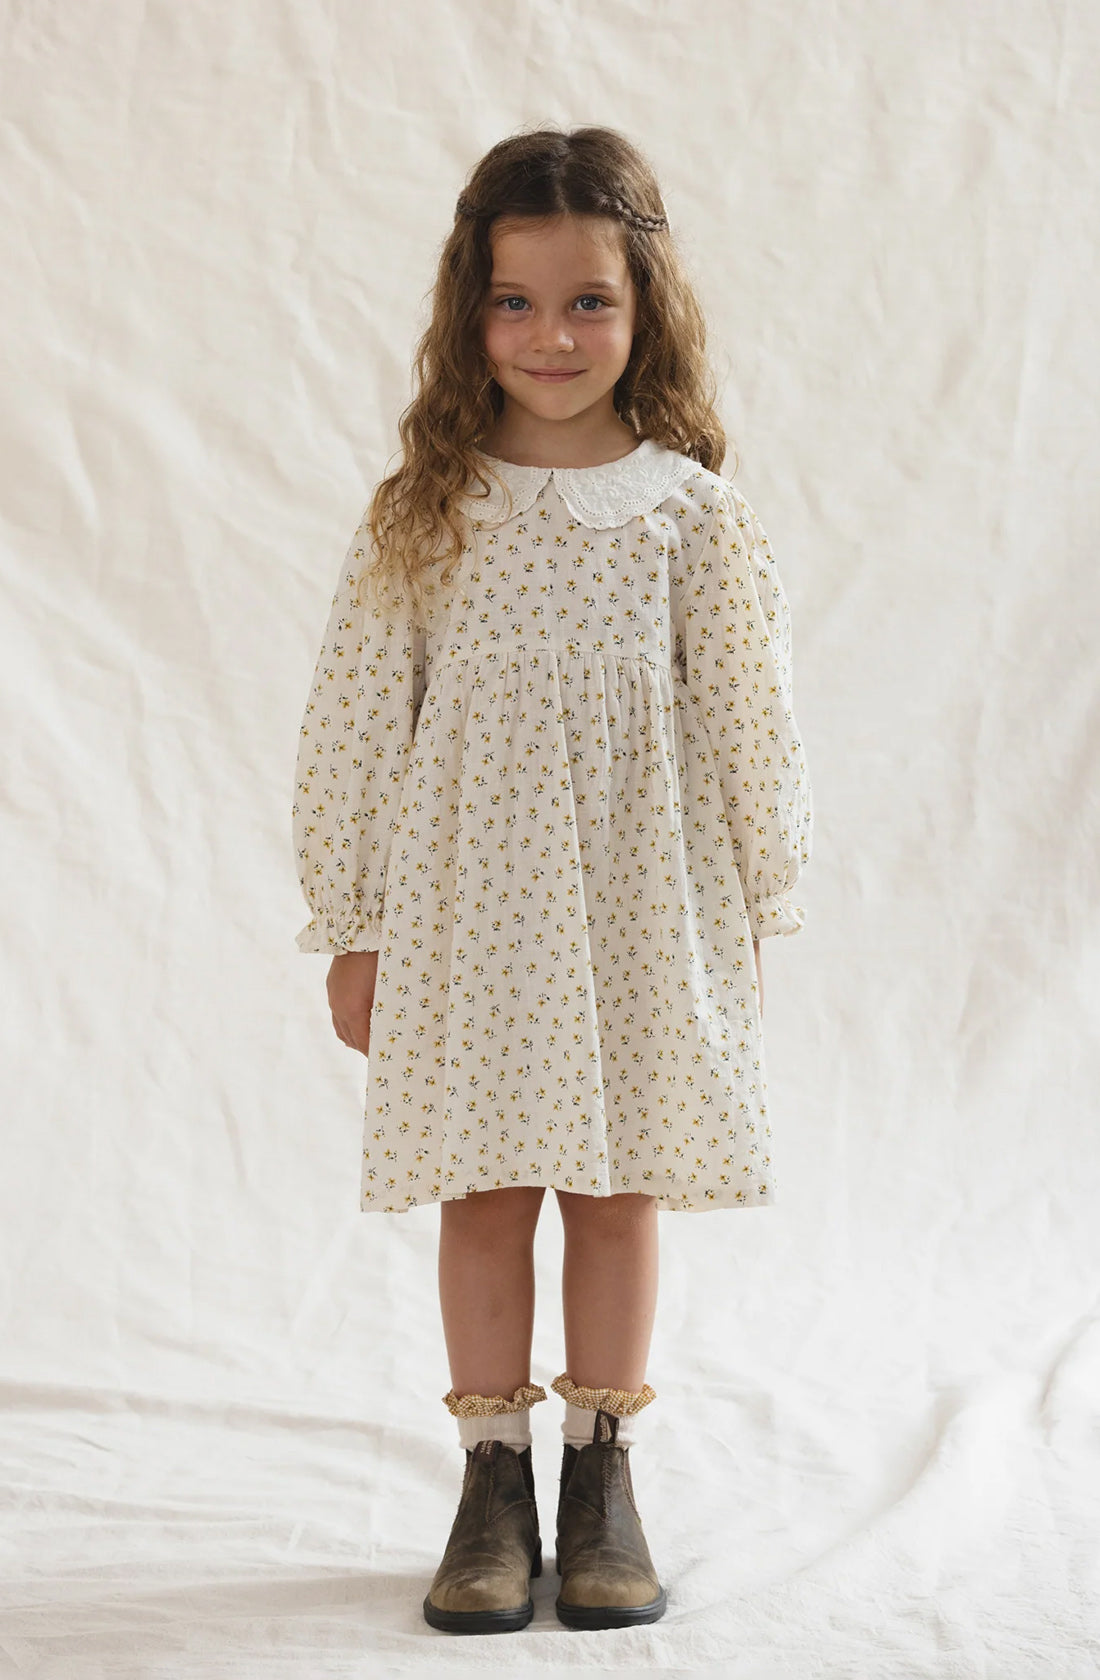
(876, 1448)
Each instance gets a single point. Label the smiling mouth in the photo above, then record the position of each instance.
(553, 373)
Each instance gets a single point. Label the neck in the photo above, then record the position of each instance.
(530, 441)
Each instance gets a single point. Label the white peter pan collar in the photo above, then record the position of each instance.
(600, 497)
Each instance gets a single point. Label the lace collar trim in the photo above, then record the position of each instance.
(599, 497)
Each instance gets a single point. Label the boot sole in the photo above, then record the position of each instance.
(484, 1621)
(610, 1615)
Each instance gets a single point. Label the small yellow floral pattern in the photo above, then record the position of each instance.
(560, 802)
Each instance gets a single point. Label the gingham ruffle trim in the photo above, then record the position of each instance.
(491, 1405)
(620, 1402)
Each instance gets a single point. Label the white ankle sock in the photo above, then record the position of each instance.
(579, 1423)
(513, 1428)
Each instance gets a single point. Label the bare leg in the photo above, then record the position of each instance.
(609, 1287)
(487, 1287)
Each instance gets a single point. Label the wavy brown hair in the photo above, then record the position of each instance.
(666, 391)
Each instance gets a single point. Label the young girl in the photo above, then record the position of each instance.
(550, 796)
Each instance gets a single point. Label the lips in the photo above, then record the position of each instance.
(551, 375)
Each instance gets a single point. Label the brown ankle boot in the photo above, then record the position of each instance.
(608, 1579)
(481, 1585)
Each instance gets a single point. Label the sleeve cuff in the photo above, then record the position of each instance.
(775, 914)
(322, 936)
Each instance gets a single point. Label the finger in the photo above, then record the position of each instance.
(352, 1037)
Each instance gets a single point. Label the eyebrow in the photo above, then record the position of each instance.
(584, 285)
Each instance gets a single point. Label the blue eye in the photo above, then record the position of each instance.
(589, 296)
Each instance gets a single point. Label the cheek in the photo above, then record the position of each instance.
(602, 336)
(495, 335)
(605, 336)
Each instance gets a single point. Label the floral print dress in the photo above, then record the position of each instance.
(560, 801)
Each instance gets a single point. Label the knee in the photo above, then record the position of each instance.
(609, 1215)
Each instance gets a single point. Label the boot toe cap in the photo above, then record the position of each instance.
(603, 1589)
(464, 1594)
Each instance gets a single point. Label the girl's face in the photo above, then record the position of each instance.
(560, 297)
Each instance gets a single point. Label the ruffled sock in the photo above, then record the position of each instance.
(581, 1405)
(493, 1417)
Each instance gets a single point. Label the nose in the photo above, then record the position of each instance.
(551, 332)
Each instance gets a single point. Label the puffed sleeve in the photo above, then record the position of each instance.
(737, 666)
(354, 743)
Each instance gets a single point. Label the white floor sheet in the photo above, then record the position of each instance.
(875, 1450)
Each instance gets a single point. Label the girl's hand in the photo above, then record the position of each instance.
(350, 987)
(759, 974)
